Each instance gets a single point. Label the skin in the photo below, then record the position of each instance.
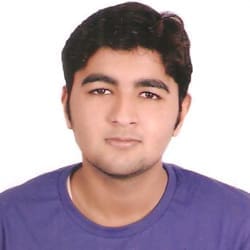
(124, 109)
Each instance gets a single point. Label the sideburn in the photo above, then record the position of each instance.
(178, 119)
(68, 109)
(179, 113)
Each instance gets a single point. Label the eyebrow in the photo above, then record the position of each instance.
(153, 83)
(99, 78)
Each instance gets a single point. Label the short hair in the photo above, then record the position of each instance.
(125, 27)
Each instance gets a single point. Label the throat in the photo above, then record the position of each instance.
(116, 204)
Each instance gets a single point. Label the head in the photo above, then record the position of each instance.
(127, 70)
(126, 27)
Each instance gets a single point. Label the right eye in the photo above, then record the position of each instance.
(100, 91)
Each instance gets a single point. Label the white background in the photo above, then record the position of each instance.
(215, 139)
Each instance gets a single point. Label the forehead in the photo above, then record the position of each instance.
(138, 58)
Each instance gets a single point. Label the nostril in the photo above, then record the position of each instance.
(123, 122)
(132, 123)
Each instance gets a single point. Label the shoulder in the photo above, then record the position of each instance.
(209, 188)
(211, 195)
(211, 206)
(30, 188)
(39, 189)
(211, 202)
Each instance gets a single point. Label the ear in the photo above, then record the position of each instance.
(184, 110)
(64, 100)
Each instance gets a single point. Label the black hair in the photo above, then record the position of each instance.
(125, 27)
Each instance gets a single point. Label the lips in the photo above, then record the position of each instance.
(122, 142)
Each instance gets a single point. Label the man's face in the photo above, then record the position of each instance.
(123, 111)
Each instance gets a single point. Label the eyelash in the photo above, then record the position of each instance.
(150, 95)
(100, 91)
(145, 94)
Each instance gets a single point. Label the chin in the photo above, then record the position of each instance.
(129, 173)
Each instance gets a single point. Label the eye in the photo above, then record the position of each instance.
(150, 95)
(100, 91)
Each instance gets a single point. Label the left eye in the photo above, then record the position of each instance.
(149, 95)
(100, 91)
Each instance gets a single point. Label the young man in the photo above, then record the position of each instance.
(127, 70)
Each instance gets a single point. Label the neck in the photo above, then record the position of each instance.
(115, 202)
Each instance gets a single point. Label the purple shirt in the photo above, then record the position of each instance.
(195, 213)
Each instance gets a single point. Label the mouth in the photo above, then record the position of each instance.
(122, 142)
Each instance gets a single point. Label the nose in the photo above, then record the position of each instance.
(123, 111)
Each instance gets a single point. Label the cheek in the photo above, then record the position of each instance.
(87, 123)
(83, 112)
(161, 135)
(160, 125)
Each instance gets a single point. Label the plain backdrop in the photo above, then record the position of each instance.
(215, 139)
